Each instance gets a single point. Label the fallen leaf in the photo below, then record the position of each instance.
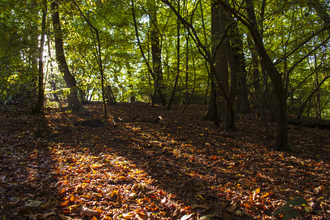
(187, 216)
(63, 217)
(32, 203)
(231, 208)
(45, 215)
(207, 217)
(200, 207)
(320, 190)
(244, 182)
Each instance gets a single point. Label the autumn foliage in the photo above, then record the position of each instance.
(178, 168)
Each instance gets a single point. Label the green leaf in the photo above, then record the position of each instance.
(297, 201)
(293, 213)
(286, 207)
(288, 211)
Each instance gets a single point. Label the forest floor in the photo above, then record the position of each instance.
(179, 168)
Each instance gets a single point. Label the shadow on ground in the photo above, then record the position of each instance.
(179, 168)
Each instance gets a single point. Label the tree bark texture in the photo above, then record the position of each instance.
(171, 100)
(236, 40)
(219, 59)
(143, 55)
(275, 76)
(233, 74)
(204, 51)
(156, 50)
(74, 103)
(255, 69)
(41, 91)
(99, 58)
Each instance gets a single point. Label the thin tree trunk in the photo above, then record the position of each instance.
(318, 102)
(255, 68)
(275, 76)
(156, 49)
(264, 115)
(301, 110)
(99, 58)
(267, 64)
(41, 90)
(233, 75)
(219, 58)
(206, 66)
(74, 103)
(143, 56)
(187, 66)
(236, 39)
(170, 102)
(203, 51)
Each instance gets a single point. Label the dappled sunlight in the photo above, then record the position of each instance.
(109, 182)
(167, 170)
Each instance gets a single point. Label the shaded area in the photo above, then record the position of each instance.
(178, 166)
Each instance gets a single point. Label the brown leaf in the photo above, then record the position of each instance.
(232, 208)
(63, 217)
(320, 190)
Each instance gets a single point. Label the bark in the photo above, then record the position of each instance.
(233, 75)
(156, 49)
(41, 91)
(267, 64)
(54, 80)
(170, 102)
(99, 58)
(187, 63)
(187, 101)
(275, 76)
(236, 40)
(206, 65)
(143, 55)
(308, 123)
(74, 103)
(255, 69)
(211, 113)
(109, 96)
(219, 59)
(203, 50)
(186, 92)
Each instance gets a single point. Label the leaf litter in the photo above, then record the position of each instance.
(178, 168)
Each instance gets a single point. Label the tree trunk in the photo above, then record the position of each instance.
(275, 76)
(206, 64)
(211, 113)
(98, 57)
(219, 60)
(204, 52)
(242, 102)
(145, 59)
(255, 69)
(170, 102)
(230, 123)
(317, 87)
(41, 91)
(156, 50)
(73, 101)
